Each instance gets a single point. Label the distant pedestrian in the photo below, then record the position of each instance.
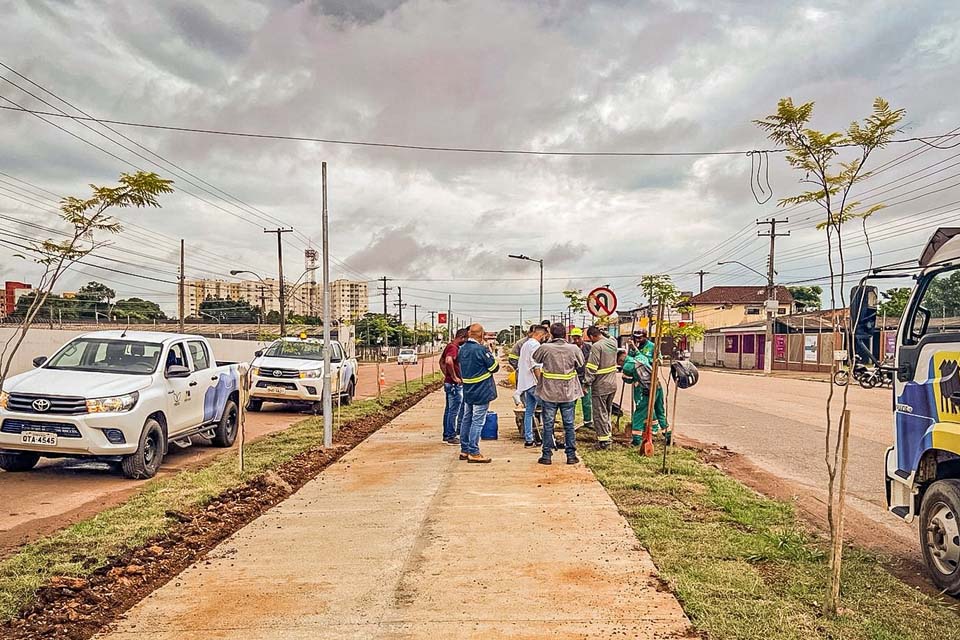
(453, 387)
(576, 337)
(527, 381)
(558, 389)
(477, 366)
(601, 379)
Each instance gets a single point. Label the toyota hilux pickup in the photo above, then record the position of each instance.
(123, 396)
(290, 371)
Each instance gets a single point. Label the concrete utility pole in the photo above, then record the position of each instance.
(384, 290)
(415, 339)
(400, 314)
(449, 317)
(433, 331)
(702, 273)
(181, 287)
(327, 397)
(772, 303)
(283, 294)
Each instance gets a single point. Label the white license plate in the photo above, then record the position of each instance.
(277, 389)
(38, 437)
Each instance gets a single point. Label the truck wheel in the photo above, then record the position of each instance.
(18, 461)
(254, 404)
(145, 461)
(347, 398)
(940, 534)
(225, 432)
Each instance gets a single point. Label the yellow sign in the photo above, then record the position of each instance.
(946, 385)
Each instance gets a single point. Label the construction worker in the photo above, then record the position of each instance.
(640, 343)
(586, 402)
(558, 389)
(477, 366)
(638, 371)
(600, 380)
(514, 356)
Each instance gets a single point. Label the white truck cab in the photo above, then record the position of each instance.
(290, 371)
(119, 395)
(922, 469)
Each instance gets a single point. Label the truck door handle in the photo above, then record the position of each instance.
(193, 384)
(214, 378)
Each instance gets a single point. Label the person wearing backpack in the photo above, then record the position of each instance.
(638, 371)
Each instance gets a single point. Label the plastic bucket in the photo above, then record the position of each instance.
(490, 427)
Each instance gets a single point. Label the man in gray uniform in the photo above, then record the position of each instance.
(601, 377)
(558, 389)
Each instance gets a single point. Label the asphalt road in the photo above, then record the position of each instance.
(778, 425)
(59, 492)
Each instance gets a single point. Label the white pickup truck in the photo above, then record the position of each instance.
(290, 371)
(120, 395)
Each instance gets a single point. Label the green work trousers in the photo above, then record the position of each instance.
(586, 405)
(641, 399)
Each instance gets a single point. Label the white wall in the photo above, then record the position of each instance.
(44, 342)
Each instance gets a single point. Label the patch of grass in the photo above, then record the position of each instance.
(87, 545)
(743, 567)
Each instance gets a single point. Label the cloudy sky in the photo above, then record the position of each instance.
(657, 76)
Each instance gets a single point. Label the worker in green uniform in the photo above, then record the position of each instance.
(586, 402)
(637, 370)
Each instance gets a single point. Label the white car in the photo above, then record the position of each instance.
(119, 395)
(407, 356)
(290, 371)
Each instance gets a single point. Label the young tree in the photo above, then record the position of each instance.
(84, 216)
(817, 156)
(576, 300)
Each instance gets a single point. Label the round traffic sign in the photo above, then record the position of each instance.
(601, 302)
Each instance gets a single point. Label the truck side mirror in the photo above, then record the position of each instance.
(863, 310)
(178, 371)
(39, 360)
(257, 354)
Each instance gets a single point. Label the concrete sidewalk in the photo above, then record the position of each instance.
(400, 539)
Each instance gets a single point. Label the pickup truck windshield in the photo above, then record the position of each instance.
(107, 356)
(290, 349)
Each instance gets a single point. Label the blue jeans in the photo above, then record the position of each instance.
(567, 410)
(452, 412)
(530, 403)
(474, 415)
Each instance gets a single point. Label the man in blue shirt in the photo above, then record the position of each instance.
(477, 366)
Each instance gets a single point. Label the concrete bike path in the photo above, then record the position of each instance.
(400, 539)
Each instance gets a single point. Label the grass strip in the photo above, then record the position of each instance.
(745, 569)
(80, 549)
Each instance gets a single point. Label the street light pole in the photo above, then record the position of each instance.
(327, 398)
(540, 261)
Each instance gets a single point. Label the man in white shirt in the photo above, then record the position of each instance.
(527, 381)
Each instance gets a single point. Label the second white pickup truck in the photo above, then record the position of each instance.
(119, 395)
(290, 371)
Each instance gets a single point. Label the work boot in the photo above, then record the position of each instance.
(667, 437)
(453, 440)
(636, 441)
(544, 460)
(529, 444)
(478, 458)
(603, 445)
(464, 456)
(573, 459)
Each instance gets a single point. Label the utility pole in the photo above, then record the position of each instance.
(449, 317)
(400, 313)
(433, 332)
(384, 290)
(181, 287)
(327, 397)
(702, 273)
(283, 302)
(771, 303)
(416, 340)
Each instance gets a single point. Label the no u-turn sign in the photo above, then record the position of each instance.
(601, 302)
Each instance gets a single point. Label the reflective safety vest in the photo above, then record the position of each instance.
(477, 366)
(601, 369)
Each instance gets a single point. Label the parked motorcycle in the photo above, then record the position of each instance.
(868, 377)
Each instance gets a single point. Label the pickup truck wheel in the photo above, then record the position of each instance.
(940, 534)
(254, 404)
(145, 461)
(347, 397)
(18, 461)
(225, 432)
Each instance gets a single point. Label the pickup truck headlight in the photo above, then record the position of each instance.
(4, 399)
(113, 404)
(254, 371)
(312, 373)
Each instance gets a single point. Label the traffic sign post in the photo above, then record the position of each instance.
(601, 302)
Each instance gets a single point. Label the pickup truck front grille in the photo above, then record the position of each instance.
(62, 429)
(61, 405)
(278, 373)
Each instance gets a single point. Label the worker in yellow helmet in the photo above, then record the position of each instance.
(586, 402)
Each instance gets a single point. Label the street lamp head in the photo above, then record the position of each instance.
(235, 272)
(518, 257)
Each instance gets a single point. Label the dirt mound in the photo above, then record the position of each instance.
(77, 608)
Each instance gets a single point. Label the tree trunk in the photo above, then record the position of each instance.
(832, 604)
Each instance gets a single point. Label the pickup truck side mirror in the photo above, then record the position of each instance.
(178, 371)
(39, 360)
(257, 354)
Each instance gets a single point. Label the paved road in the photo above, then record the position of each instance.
(778, 425)
(62, 491)
(400, 539)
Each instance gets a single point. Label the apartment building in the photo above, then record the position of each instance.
(348, 299)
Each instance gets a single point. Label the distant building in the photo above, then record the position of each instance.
(728, 306)
(12, 291)
(348, 299)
